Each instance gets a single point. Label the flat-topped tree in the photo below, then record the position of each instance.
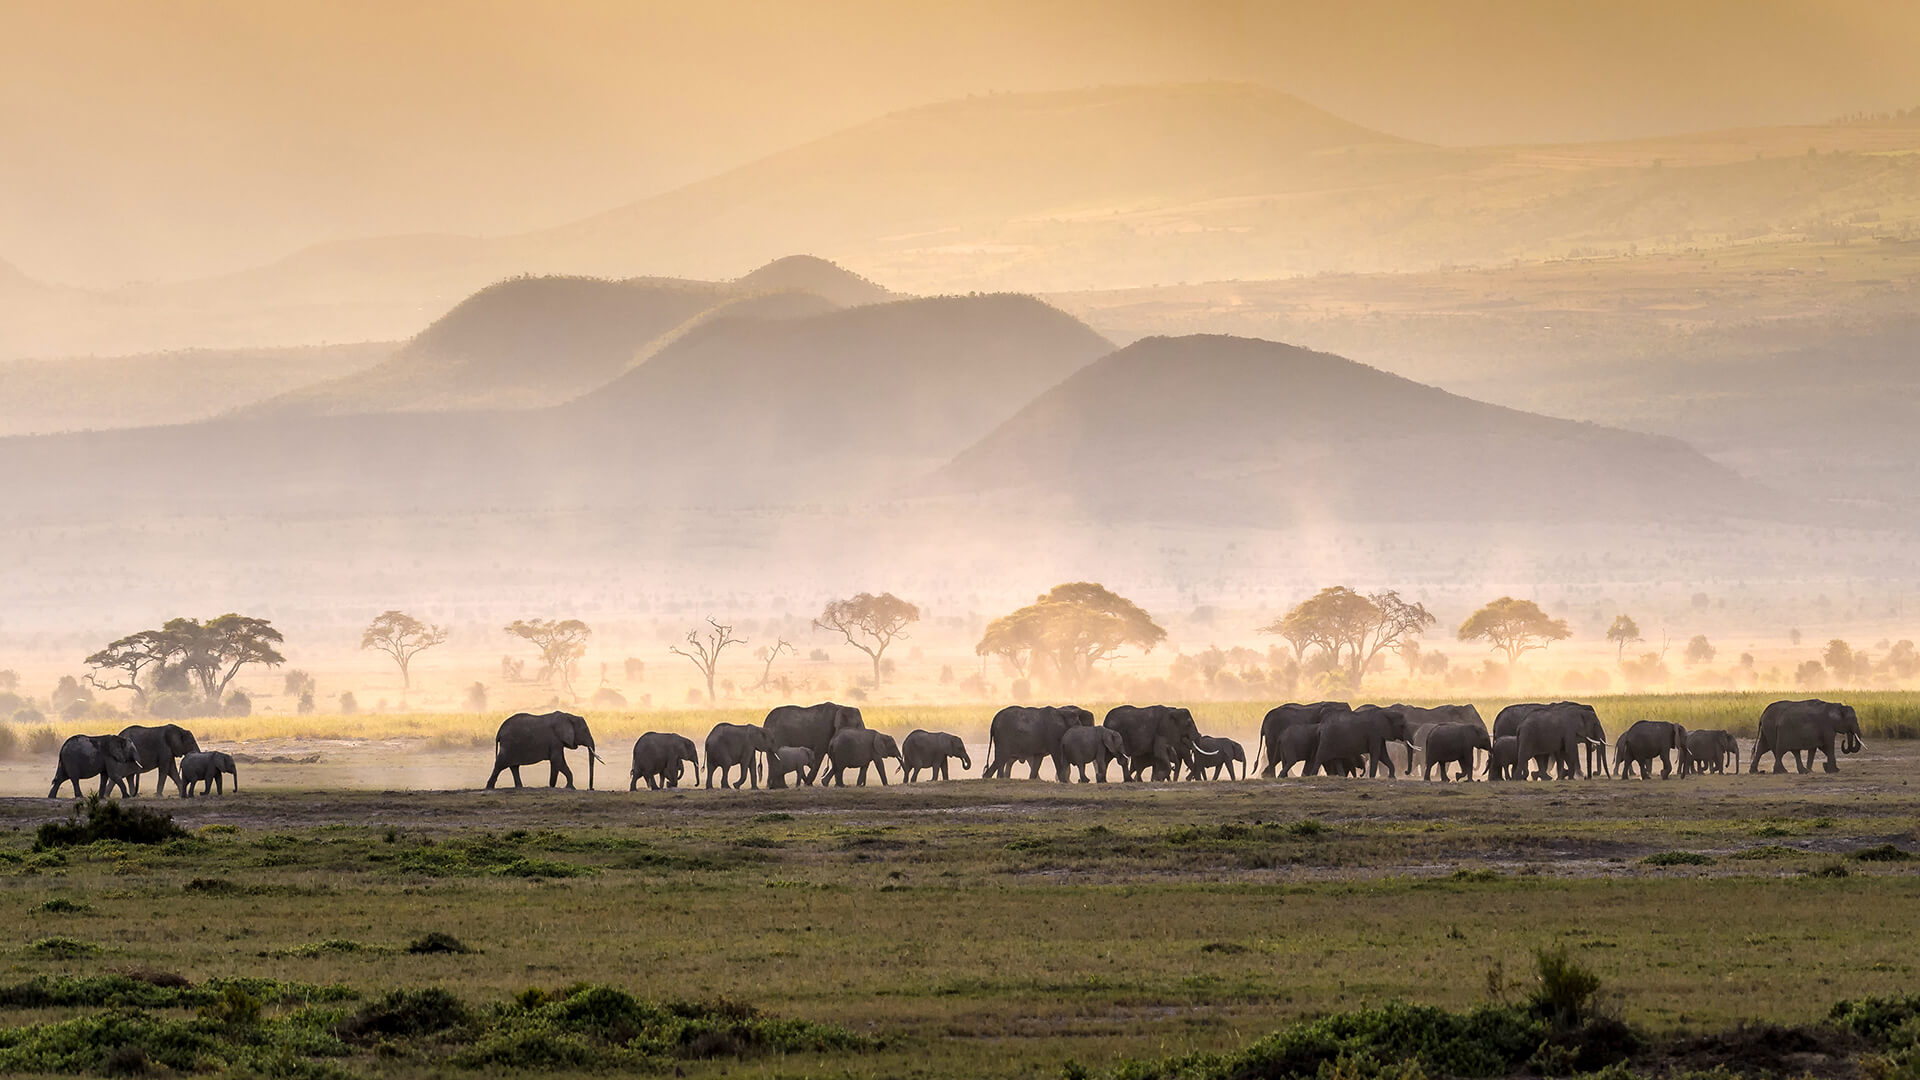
(1514, 627)
(1068, 630)
(402, 637)
(1351, 627)
(188, 653)
(562, 642)
(869, 623)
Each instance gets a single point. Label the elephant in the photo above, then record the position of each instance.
(159, 748)
(1503, 761)
(858, 746)
(205, 768)
(737, 744)
(1560, 732)
(1421, 718)
(1454, 743)
(1363, 732)
(1212, 752)
(788, 759)
(1095, 746)
(1142, 726)
(528, 739)
(1647, 740)
(657, 758)
(930, 750)
(112, 758)
(1283, 717)
(1297, 743)
(1028, 733)
(1796, 727)
(1709, 749)
(811, 726)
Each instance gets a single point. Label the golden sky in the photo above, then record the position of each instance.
(156, 139)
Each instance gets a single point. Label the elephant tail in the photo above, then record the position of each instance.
(1257, 753)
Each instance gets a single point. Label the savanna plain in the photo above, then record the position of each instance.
(972, 928)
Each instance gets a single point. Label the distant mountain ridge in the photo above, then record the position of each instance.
(1211, 427)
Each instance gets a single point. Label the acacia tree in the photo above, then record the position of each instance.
(562, 642)
(1514, 627)
(1622, 633)
(869, 623)
(706, 651)
(1068, 630)
(402, 637)
(1350, 627)
(127, 658)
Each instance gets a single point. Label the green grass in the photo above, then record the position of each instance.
(964, 929)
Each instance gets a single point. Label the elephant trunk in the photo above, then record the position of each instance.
(591, 758)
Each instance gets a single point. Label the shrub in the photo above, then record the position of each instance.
(108, 820)
(42, 740)
(238, 704)
(29, 715)
(438, 942)
(1564, 988)
(405, 1014)
(1677, 858)
(1883, 853)
(349, 704)
(60, 905)
(64, 948)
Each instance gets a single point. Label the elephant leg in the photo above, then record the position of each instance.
(515, 770)
(880, 766)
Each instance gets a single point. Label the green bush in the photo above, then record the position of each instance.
(1883, 853)
(1563, 988)
(107, 819)
(405, 1014)
(438, 942)
(1677, 858)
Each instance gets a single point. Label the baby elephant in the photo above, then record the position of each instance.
(859, 747)
(1214, 753)
(1451, 744)
(205, 768)
(930, 750)
(659, 758)
(788, 759)
(1709, 750)
(1504, 762)
(1095, 746)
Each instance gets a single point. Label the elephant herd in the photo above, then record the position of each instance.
(820, 743)
(169, 750)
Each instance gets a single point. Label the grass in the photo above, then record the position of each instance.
(967, 929)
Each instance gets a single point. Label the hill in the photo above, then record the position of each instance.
(836, 406)
(812, 274)
(97, 393)
(1223, 429)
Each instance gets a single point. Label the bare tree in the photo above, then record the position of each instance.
(869, 623)
(562, 642)
(402, 637)
(770, 653)
(706, 651)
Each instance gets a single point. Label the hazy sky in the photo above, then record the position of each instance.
(151, 139)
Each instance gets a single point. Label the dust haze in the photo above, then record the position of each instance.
(675, 321)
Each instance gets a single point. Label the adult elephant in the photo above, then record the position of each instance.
(529, 738)
(811, 726)
(657, 758)
(1647, 740)
(1361, 733)
(1709, 750)
(1797, 727)
(1558, 733)
(1095, 746)
(161, 746)
(1453, 743)
(1298, 744)
(1421, 719)
(1144, 726)
(1218, 754)
(1029, 733)
(737, 744)
(930, 751)
(859, 748)
(1281, 718)
(112, 758)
